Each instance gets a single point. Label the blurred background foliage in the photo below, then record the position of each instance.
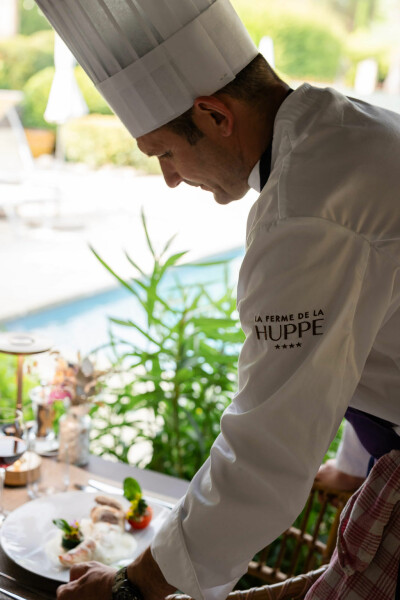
(8, 384)
(22, 56)
(308, 39)
(315, 40)
(323, 41)
(31, 18)
(36, 91)
(100, 139)
(179, 374)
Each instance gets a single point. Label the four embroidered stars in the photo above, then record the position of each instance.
(284, 346)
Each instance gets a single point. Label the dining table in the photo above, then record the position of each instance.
(27, 585)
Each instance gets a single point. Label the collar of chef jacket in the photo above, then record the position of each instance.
(262, 169)
(254, 178)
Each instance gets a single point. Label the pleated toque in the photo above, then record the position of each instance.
(150, 59)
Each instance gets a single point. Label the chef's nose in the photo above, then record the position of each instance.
(171, 176)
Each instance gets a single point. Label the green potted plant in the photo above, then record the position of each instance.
(177, 360)
(40, 134)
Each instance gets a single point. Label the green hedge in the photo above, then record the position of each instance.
(313, 44)
(93, 98)
(360, 46)
(97, 139)
(307, 45)
(36, 93)
(306, 49)
(101, 139)
(23, 56)
(31, 18)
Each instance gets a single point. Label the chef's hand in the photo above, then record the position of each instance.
(94, 581)
(88, 581)
(329, 475)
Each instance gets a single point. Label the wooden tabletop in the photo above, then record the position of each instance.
(153, 484)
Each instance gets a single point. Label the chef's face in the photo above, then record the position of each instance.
(214, 163)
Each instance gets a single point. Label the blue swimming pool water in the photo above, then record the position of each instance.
(83, 324)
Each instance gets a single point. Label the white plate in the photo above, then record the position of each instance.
(28, 529)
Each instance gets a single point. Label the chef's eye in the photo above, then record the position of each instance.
(166, 155)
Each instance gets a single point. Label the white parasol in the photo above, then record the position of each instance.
(65, 99)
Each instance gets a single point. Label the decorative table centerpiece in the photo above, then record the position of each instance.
(76, 383)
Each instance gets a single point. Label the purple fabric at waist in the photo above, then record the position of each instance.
(376, 435)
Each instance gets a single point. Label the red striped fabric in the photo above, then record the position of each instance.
(365, 564)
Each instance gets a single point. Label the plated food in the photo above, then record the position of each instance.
(106, 534)
(103, 536)
(28, 531)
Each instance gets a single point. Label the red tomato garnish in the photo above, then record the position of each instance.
(141, 521)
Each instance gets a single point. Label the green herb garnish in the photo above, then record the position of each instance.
(133, 493)
(72, 535)
(132, 489)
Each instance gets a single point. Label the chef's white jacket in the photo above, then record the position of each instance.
(318, 298)
(351, 457)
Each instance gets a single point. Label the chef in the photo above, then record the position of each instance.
(319, 287)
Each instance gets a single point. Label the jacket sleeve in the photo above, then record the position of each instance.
(352, 458)
(306, 307)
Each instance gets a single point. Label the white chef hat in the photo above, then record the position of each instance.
(151, 58)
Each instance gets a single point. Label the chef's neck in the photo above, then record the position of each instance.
(256, 123)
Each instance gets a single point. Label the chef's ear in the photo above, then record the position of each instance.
(211, 113)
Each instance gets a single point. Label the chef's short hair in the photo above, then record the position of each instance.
(250, 85)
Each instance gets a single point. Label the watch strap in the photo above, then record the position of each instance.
(123, 588)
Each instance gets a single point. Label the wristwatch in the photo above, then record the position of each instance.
(123, 588)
